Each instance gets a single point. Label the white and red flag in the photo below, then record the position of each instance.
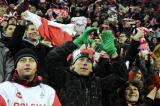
(54, 32)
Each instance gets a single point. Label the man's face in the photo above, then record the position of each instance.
(12, 21)
(122, 38)
(83, 66)
(32, 9)
(3, 9)
(154, 40)
(131, 94)
(32, 32)
(26, 68)
(139, 75)
(10, 29)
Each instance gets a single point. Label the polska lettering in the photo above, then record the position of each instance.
(28, 104)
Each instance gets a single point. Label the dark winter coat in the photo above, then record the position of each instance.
(75, 90)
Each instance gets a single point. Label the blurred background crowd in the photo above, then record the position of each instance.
(121, 16)
(124, 18)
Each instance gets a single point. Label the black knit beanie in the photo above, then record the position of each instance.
(26, 52)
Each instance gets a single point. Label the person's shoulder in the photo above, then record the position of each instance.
(3, 48)
(47, 87)
(5, 84)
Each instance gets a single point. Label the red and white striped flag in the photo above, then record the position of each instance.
(52, 31)
(53, 34)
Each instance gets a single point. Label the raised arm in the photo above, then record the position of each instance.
(57, 57)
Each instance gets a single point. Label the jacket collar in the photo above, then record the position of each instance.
(36, 81)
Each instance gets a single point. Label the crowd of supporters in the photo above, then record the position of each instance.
(80, 52)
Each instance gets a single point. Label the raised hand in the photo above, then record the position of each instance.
(84, 37)
(107, 43)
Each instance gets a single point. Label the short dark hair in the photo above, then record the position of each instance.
(27, 25)
(123, 88)
(10, 19)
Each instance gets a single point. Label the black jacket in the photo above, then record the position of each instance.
(75, 90)
(17, 43)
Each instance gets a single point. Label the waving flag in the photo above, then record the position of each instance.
(52, 31)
